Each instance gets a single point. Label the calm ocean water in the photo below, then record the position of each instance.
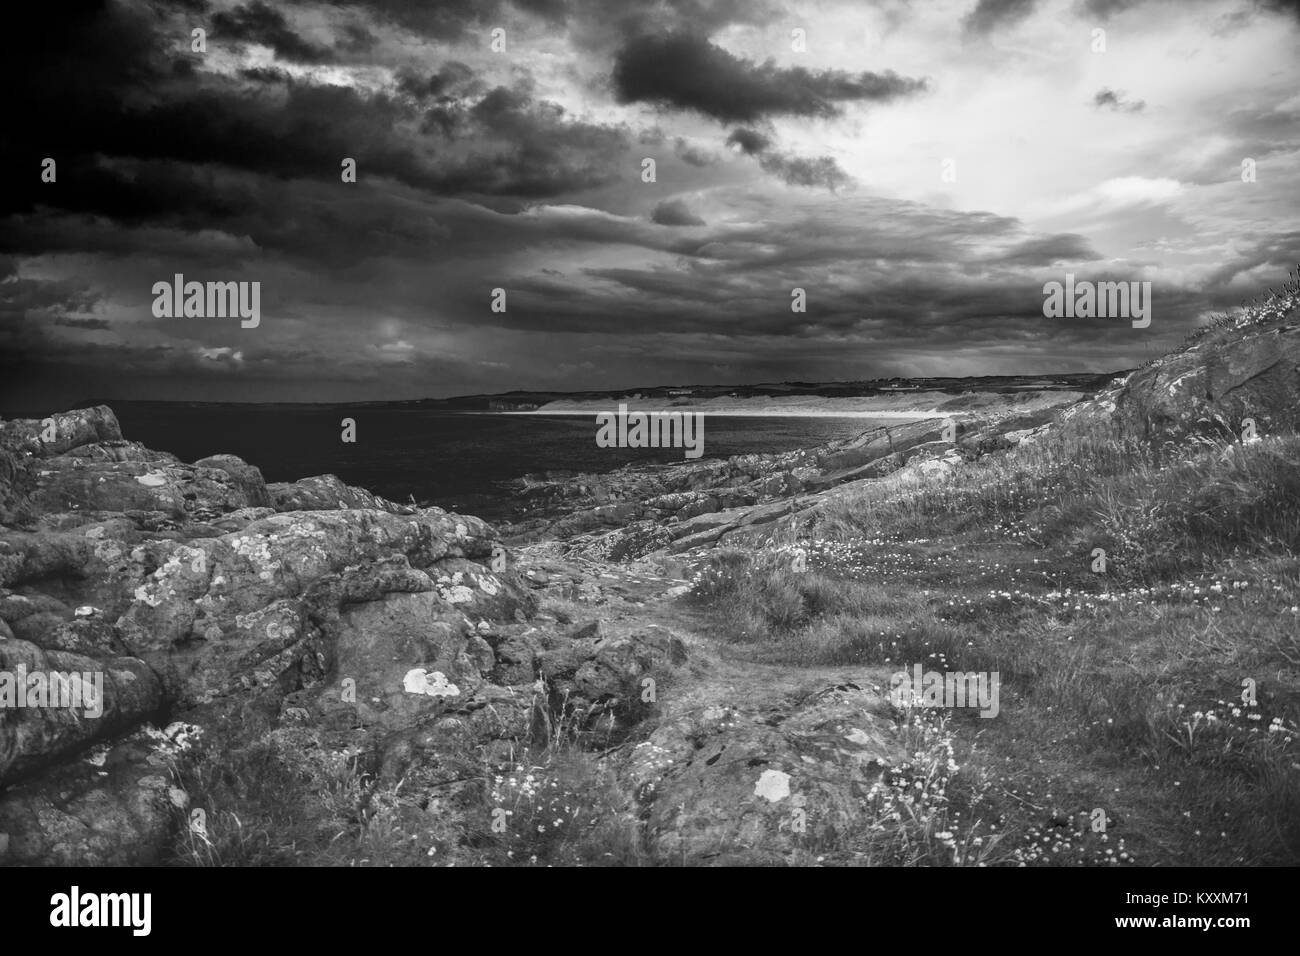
(452, 459)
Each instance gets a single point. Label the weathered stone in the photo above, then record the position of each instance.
(247, 477)
(31, 735)
(83, 484)
(409, 655)
(69, 430)
(719, 785)
(329, 493)
(1206, 389)
(115, 806)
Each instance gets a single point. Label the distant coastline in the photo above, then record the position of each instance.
(899, 406)
(732, 412)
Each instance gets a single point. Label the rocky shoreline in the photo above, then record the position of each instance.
(647, 510)
(215, 603)
(430, 649)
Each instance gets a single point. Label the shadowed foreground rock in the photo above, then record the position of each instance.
(194, 590)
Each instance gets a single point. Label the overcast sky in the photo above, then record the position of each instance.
(779, 164)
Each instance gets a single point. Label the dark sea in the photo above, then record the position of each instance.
(455, 460)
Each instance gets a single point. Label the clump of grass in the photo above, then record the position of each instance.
(775, 592)
(1273, 304)
(283, 799)
(913, 815)
(1193, 513)
(560, 808)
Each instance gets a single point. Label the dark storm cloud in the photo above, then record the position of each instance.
(191, 6)
(1107, 98)
(890, 261)
(531, 148)
(82, 50)
(593, 24)
(797, 171)
(161, 168)
(675, 212)
(129, 192)
(685, 71)
(750, 141)
(19, 297)
(355, 38)
(692, 155)
(28, 307)
(518, 145)
(136, 143)
(257, 22)
(456, 20)
(470, 179)
(990, 15)
(453, 77)
(823, 171)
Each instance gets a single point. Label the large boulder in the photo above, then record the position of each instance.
(60, 432)
(408, 656)
(78, 483)
(328, 493)
(1246, 369)
(247, 477)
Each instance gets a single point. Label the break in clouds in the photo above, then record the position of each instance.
(920, 170)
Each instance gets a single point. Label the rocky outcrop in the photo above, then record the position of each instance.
(759, 780)
(61, 432)
(669, 510)
(193, 590)
(326, 493)
(641, 509)
(199, 609)
(567, 504)
(1245, 368)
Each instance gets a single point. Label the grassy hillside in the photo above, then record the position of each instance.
(1126, 684)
